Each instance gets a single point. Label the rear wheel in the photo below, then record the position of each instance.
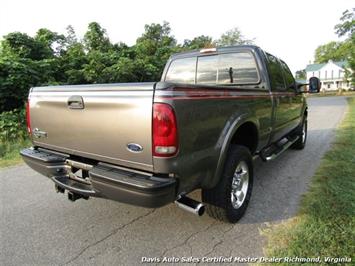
(229, 199)
(302, 136)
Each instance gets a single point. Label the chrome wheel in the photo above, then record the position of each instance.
(240, 183)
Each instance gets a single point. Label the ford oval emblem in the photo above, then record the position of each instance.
(133, 147)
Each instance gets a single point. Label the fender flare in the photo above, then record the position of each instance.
(235, 125)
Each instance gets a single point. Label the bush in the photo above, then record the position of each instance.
(13, 126)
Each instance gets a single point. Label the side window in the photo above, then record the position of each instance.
(231, 68)
(290, 81)
(182, 71)
(275, 72)
(237, 68)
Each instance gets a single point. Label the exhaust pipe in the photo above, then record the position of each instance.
(190, 205)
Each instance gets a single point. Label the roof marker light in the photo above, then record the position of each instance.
(208, 50)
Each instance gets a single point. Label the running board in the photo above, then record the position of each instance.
(278, 150)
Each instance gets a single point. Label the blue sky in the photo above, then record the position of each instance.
(289, 29)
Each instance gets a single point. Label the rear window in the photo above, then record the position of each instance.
(223, 69)
(239, 68)
(182, 71)
(207, 70)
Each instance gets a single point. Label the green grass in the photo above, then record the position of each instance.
(9, 152)
(325, 225)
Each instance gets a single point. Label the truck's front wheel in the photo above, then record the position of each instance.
(302, 136)
(229, 199)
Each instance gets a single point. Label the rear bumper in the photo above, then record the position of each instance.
(104, 181)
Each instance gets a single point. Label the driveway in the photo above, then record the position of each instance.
(40, 227)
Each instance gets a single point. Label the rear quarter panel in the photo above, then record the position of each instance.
(207, 117)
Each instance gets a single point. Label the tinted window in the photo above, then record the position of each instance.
(237, 68)
(182, 71)
(290, 81)
(207, 69)
(233, 68)
(275, 72)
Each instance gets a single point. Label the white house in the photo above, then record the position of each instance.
(331, 75)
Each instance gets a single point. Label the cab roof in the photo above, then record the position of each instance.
(218, 50)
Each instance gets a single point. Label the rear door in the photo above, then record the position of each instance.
(296, 99)
(96, 121)
(283, 99)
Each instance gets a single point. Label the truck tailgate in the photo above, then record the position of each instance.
(109, 118)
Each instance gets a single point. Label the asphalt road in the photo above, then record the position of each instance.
(40, 227)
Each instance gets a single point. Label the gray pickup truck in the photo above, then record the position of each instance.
(150, 144)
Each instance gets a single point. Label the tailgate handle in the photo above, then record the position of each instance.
(76, 102)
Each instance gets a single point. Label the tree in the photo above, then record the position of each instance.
(347, 28)
(52, 43)
(71, 38)
(25, 62)
(160, 34)
(347, 25)
(153, 49)
(233, 37)
(335, 51)
(53, 58)
(96, 39)
(72, 64)
(71, 60)
(198, 42)
(341, 50)
(23, 46)
(124, 70)
(301, 74)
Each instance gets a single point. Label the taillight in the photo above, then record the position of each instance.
(165, 139)
(28, 117)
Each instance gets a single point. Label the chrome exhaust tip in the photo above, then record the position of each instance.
(190, 205)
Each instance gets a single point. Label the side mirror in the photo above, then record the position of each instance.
(314, 85)
(300, 87)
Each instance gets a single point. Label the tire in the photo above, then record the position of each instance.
(223, 202)
(301, 132)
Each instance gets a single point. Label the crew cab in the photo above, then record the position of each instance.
(150, 144)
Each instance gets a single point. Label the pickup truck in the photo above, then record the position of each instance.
(150, 144)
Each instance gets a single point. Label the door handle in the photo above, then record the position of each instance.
(76, 102)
